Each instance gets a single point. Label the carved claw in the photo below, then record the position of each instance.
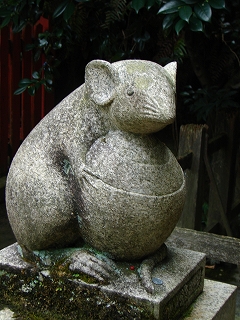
(145, 275)
(99, 267)
(147, 267)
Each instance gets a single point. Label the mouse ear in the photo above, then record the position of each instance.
(101, 80)
(171, 69)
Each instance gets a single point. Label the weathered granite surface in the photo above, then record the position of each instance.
(93, 168)
(56, 290)
(138, 202)
(217, 301)
(6, 314)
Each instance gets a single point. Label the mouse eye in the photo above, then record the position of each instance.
(130, 92)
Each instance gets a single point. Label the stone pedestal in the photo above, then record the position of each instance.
(54, 291)
(217, 301)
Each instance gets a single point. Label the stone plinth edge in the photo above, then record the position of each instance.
(53, 291)
(217, 301)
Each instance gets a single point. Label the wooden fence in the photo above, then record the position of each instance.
(210, 159)
(19, 113)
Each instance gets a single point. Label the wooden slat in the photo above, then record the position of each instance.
(27, 100)
(191, 139)
(47, 99)
(19, 113)
(15, 100)
(48, 102)
(39, 96)
(220, 248)
(4, 100)
(217, 143)
(223, 169)
(234, 214)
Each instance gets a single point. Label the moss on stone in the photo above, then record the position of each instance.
(54, 297)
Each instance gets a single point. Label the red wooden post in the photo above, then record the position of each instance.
(39, 96)
(27, 100)
(46, 101)
(19, 113)
(4, 102)
(15, 100)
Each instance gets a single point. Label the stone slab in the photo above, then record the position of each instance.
(217, 301)
(182, 275)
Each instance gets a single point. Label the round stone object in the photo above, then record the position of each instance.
(133, 193)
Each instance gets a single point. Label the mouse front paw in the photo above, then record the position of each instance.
(94, 265)
(147, 266)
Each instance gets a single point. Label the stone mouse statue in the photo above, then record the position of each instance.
(94, 169)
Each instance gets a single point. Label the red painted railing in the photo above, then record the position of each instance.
(19, 113)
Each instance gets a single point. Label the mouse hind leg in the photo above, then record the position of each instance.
(40, 206)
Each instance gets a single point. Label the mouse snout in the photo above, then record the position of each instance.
(158, 110)
(141, 111)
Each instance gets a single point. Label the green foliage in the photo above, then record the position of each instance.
(203, 101)
(191, 13)
(115, 12)
(139, 4)
(20, 13)
(179, 51)
(31, 85)
(112, 30)
(62, 8)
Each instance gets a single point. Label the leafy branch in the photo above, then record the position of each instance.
(194, 13)
(110, 30)
(203, 101)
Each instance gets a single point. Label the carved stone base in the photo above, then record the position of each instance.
(48, 292)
